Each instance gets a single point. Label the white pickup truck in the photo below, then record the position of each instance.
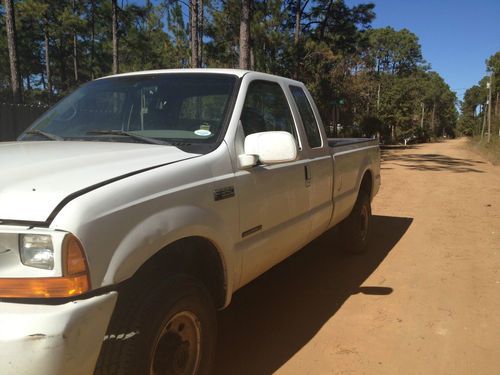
(133, 209)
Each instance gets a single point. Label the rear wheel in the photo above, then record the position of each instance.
(171, 330)
(356, 227)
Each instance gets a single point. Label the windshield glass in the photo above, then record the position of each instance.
(182, 108)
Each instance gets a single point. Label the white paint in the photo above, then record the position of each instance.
(36, 176)
(53, 339)
(272, 147)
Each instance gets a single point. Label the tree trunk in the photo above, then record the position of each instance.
(423, 114)
(252, 59)
(62, 59)
(378, 99)
(75, 48)
(194, 32)
(298, 16)
(114, 11)
(496, 106)
(484, 122)
(92, 39)
(75, 58)
(245, 34)
(489, 108)
(47, 63)
(10, 25)
(296, 37)
(201, 31)
(433, 123)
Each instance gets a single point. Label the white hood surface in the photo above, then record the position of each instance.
(36, 176)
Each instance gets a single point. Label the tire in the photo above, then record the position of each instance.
(356, 227)
(167, 327)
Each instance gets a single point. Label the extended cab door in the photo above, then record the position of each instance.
(274, 199)
(319, 162)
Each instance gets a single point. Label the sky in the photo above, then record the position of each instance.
(456, 36)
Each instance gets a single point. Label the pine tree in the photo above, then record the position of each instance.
(12, 44)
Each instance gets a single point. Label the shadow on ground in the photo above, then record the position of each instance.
(431, 162)
(269, 320)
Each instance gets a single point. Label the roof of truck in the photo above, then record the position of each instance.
(237, 72)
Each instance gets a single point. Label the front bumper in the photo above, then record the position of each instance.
(53, 339)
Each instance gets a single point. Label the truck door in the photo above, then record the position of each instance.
(274, 203)
(319, 163)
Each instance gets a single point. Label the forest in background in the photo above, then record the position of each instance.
(474, 108)
(480, 112)
(368, 80)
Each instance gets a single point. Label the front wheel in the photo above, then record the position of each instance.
(356, 227)
(174, 331)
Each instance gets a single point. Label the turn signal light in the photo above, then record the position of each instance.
(75, 279)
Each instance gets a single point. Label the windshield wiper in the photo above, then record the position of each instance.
(50, 136)
(131, 135)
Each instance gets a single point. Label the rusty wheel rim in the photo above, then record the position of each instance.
(177, 348)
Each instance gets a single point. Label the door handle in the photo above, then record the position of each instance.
(307, 173)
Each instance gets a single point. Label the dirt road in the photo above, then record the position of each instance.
(425, 299)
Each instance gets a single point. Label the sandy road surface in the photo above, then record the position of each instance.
(425, 299)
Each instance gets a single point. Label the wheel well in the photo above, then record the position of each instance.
(194, 256)
(366, 183)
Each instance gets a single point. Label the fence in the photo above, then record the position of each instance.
(15, 118)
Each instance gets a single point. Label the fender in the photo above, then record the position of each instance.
(155, 233)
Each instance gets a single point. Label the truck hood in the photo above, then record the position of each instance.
(37, 176)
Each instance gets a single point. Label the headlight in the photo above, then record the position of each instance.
(37, 251)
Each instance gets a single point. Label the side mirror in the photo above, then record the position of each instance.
(268, 148)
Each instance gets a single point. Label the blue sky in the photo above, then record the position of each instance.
(456, 36)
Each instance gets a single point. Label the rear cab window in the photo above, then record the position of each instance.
(307, 115)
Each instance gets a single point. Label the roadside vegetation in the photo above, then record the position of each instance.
(490, 151)
(480, 112)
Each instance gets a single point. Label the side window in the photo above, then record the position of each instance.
(307, 115)
(266, 109)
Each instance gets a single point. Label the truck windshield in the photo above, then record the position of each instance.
(174, 108)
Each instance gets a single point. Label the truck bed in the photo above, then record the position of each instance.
(347, 144)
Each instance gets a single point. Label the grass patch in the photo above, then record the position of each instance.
(490, 151)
